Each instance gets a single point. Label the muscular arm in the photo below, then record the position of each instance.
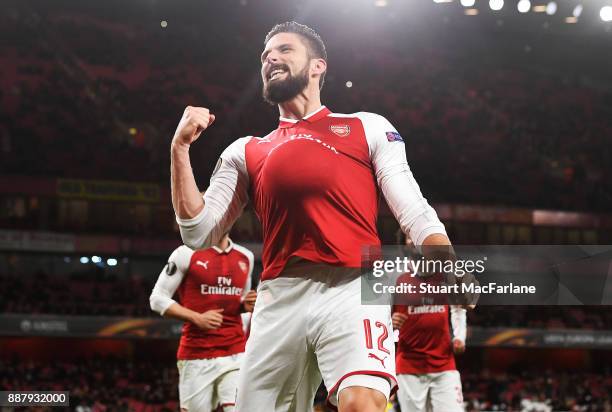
(186, 198)
(203, 220)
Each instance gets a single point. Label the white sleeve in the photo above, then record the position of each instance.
(401, 191)
(459, 322)
(251, 259)
(170, 279)
(224, 199)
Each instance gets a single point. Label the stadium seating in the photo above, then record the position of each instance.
(93, 294)
(490, 121)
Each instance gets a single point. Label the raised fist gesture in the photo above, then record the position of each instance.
(194, 121)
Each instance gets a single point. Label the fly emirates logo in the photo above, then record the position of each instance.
(223, 287)
(419, 310)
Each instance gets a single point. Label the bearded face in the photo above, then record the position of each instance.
(285, 68)
(281, 85)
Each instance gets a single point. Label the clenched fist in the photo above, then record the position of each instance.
(194, 121)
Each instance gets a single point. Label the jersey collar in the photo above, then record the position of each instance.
(227, 249)
(312, 117)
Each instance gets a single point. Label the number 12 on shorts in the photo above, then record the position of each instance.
(384, 334)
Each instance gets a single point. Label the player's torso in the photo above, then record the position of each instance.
(425, 340)
(214, 280)
(314, 189)
(425, 324)
(309, 159)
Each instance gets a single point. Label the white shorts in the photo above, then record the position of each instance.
(206, 383)
(435, 392)
(309, 327)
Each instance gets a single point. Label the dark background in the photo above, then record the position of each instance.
(507, 120)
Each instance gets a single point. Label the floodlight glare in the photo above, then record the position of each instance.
(523, 6)
(577, 11)
(551, 8)
(606, 13)
(496, 5)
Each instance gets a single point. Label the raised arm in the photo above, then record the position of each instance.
(186, 198)
(203, 220)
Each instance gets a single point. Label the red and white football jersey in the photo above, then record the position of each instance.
(424, 344)
(208, 279)
(314, 184)
(314, 191)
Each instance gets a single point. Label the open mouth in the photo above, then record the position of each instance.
(276, 73)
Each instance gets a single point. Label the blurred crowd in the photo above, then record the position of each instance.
(98, 384)
(542, 391)
(83, 294)
(97, 95)
(110, 384)
(98, 294)
(542, 317)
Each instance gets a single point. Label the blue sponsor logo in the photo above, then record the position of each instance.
(394, 137)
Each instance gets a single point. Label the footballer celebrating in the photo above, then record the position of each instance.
(314, 183)
(214, 288)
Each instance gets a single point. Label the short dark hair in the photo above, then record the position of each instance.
(314, 43)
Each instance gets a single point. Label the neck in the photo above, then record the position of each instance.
(304, 103)
(224, 243)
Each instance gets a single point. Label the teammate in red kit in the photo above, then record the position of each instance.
(314, 184)
(427, 376)
(214, 288)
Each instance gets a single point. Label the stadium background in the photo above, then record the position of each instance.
(507, 118)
